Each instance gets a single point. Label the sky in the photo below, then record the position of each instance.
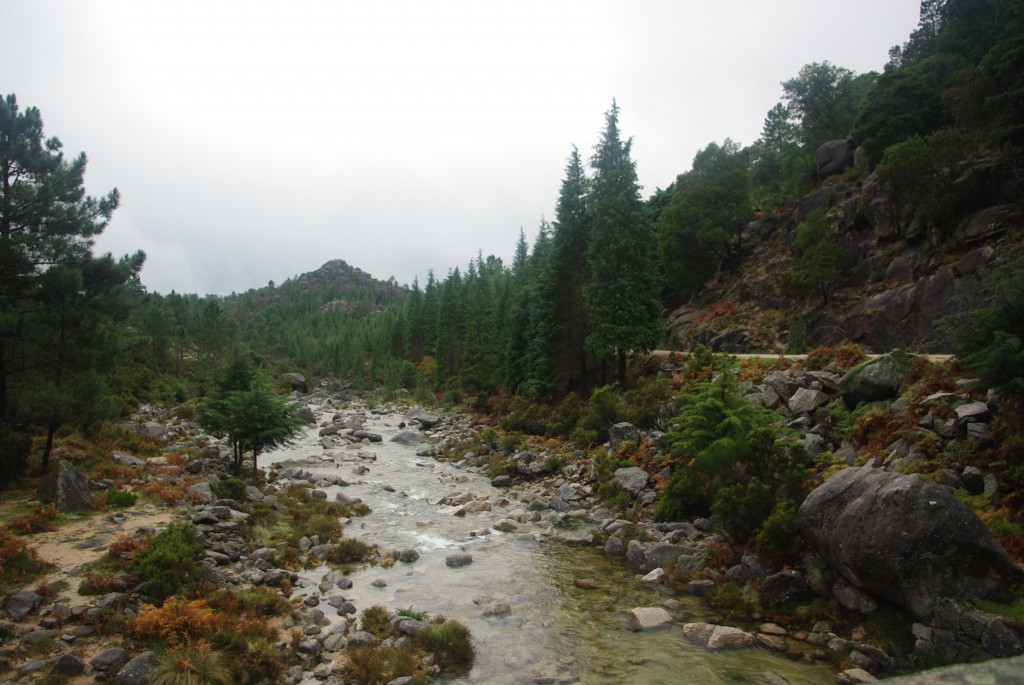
(254, 141)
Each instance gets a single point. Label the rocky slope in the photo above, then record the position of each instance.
(899, 275)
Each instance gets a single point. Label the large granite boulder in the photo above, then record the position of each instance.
(905, 539)
(876, 379)
(834, 157)
(66, 487)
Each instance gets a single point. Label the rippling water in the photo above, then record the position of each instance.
(556, 629)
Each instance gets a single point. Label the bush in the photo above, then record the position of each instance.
(230, 488)
(40, 519)
(450, 643)
(375, 620)
(169, 561)
(120, 498)
(18, 561)
(608, 488)
(373, 665)
(645, 404)
(779, 534)
(741, 509)
(349, 551)
(192, 664)
(686, 493)
(177, 621)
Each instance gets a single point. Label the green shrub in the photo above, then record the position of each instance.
(349, 551)
(564, 417)
(741, 509)
(779, 534)
(645, 404)
(450, 643)
(170, 561)
(686, 493)
(603, 410)
(230, 488)
(608, 488)
(120, 498)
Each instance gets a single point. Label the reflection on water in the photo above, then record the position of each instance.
(557, 631)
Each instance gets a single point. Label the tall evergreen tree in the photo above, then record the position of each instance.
(571, 233)
(621, 292)
(45, 219)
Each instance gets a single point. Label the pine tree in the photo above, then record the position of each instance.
(571, 233)
(621, 292)
(45, 219)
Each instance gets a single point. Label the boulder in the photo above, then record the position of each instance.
(805, 401)
(409, 438)
(938, 549)
(422, 417)
(68, 665)
(876, 379)
(66, 487)
(834, 157)
(458, 559)
(727, 637)
(138, 671)
(294, 381)
(109, 660)
(307, 415)
(646, 618)
(23, 603)
(632, 479)
(784, 587)
(622, 433)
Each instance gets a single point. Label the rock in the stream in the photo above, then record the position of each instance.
(646, 618)
(409, 438)
(458, 559)
(939, 549)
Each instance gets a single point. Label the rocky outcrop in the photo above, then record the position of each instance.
(834, 157)
(939, 548)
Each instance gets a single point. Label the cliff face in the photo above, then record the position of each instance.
(899, 275)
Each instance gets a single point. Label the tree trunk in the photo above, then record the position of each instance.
(254, 453)
(51, 430)
(621, 371)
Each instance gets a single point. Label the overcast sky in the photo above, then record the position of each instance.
(254, 141)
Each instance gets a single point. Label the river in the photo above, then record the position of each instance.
(558, 631)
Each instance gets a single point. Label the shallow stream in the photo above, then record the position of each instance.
(557, 632)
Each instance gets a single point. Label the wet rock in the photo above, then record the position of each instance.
(727, 637)
(655, 577)
(458, 559)
(852, 676)
(498, 609)
(646, 618)
(409, 438)
(699, 633)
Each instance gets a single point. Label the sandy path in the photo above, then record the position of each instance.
(64, 549)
